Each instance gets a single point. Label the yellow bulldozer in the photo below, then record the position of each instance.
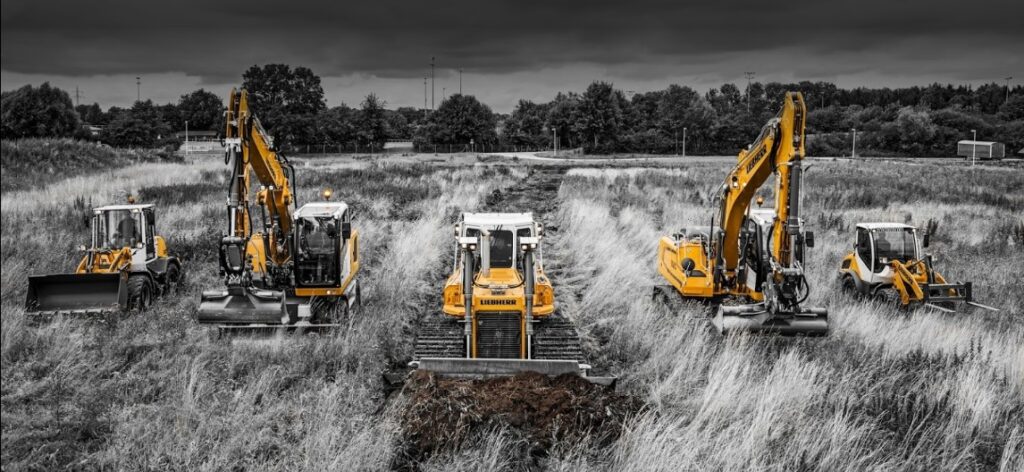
(498, 312)
(889, 263)
(753, 256)
(125, 268)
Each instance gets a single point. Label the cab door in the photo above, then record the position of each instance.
(865, 253)
(148, 233)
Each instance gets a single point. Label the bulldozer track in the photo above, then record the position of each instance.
(555, 337)
(439, 336)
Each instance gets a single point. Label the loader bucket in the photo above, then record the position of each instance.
(238, 306)
(77, 294)
(757, 319)
(486, 368)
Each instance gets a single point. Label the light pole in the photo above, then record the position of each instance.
(186, 139)
(974, 147)
(138, 89)
(750, 75)
(424, 94)
(444, 90)
(460, 81)
(431, 83)
(853, 153)
(684, 141)
(1007, 79)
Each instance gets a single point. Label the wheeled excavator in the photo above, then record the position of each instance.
(124, 269)
(752, 256)
(888, 262)
(498, 315)
(283, 269)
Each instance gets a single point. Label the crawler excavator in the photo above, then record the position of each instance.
(498, 316)
(125, 268)
(754, 256)
(888, 261)
(294, 271)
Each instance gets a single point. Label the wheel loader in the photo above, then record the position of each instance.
(283, 269)
(498, 313)
(888, 263)
(125, 268)
(753, 257)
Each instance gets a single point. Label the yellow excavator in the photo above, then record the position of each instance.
(294, 270)
(755, 256)
(125, 268)
(888, 262)
(498, 316)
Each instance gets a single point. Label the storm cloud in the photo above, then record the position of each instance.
(638, 43)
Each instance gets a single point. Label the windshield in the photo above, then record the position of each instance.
(116, 229)
(318, 236)
(895, 244)
(501, 248)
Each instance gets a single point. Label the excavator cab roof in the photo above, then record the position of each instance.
(321, 209)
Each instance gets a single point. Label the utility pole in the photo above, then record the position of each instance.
(186, 140)
(554, 140)
(750, 76)
(854, 152)
(444, 90)
(76, 96)
(138, 89)
(431, 83)
(1007, 79)
(460, 81)
(684, 141)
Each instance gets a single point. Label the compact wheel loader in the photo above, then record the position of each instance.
(498, 316)
(753, 256)
(126, 268)
(888, 263)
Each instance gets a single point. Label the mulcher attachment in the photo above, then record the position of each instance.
(255, 312)
(756, 318)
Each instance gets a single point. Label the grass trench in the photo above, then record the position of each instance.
(887, 390)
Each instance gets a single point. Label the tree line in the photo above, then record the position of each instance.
(910, 121)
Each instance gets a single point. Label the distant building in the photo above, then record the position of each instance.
(198, 135)
(984, 149)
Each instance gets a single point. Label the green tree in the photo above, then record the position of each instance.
(525, 126)
(461, 119)
(336, 125)
(91, 114)
(599, 118)
(287, 101)
(43, 111)
(371, 122)
(139, 126)
(203, 110)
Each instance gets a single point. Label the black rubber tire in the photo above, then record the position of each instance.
(172, 280)
(140, 293)
(849, 285)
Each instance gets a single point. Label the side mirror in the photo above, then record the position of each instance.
(346, 230)
(809, 239)
(927, 240)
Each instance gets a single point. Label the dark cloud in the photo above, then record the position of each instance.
(216, 40)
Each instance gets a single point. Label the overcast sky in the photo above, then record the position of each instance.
(507, 50)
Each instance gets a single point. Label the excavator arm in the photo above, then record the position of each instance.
(250, 153)
(778, 150)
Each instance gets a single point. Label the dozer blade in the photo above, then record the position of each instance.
(77, 294)
(756, 318)
(487, 368)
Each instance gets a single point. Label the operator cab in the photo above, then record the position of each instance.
(879, 243)
(505, 230)
(115, 227)
(322, 232)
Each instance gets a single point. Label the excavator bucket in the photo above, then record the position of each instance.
(756, 318)
(486, 368)
(241, 312)
(77, 294)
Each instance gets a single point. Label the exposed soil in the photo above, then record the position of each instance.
(539, 411)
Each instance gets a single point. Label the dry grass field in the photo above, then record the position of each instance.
(887, 390)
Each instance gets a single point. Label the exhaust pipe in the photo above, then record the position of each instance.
(528, 289)
(467, 290)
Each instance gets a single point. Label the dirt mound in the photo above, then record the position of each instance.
(443, 413)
